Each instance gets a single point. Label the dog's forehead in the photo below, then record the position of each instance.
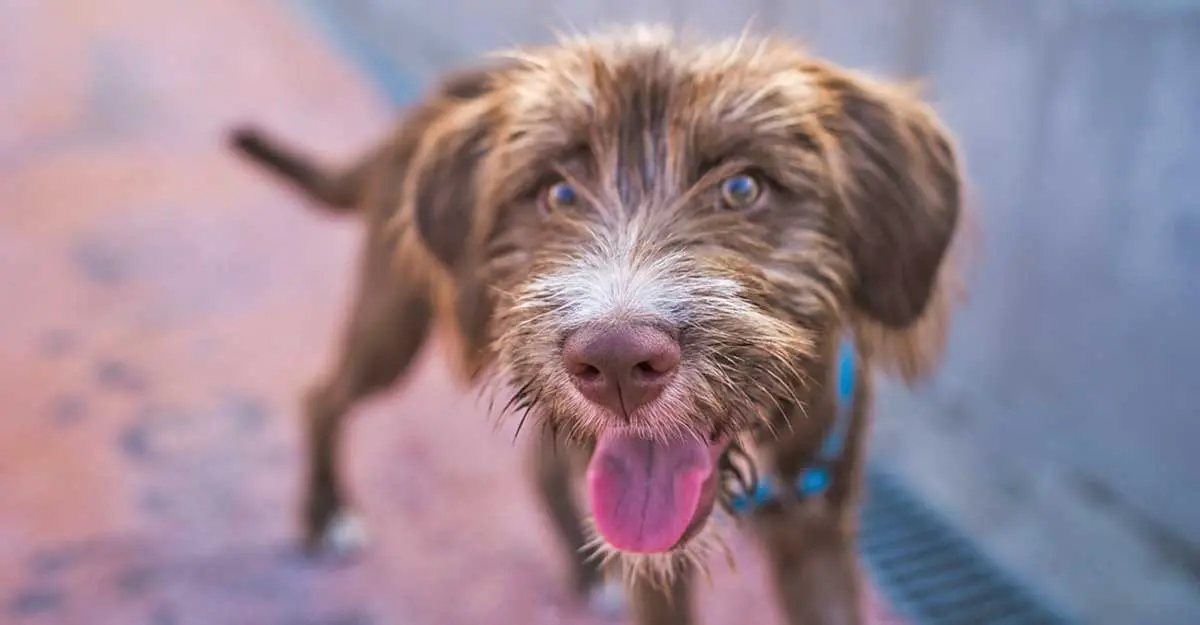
(645, 76)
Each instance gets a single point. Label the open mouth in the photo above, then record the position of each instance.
(650, 496)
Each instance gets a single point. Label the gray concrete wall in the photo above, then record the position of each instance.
(1080, 122)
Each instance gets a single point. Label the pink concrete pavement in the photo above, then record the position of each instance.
(162, 308)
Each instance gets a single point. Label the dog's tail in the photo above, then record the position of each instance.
(337, 191)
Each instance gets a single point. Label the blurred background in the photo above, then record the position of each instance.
(164, 306)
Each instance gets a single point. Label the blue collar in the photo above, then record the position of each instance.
(816, 478)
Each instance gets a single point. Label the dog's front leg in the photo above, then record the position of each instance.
(662, 603)
(810, 551)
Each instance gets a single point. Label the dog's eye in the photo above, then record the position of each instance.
(740, 191)
(559, 195)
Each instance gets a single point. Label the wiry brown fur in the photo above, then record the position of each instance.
(861, 202)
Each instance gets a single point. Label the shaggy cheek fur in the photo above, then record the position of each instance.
(740, 359)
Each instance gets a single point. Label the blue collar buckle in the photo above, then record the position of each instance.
(818, 477)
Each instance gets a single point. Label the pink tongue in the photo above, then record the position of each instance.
(644, 494)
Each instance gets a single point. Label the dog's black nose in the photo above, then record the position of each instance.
(621, 366)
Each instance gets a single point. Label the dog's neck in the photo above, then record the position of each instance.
(817, 476)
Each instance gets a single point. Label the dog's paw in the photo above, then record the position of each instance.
(607, 599)
(344, 536)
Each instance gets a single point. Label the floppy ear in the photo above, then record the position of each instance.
(898, 174)
(443, 174)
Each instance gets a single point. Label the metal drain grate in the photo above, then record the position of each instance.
(932, 574)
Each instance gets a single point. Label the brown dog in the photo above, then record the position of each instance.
(661, 246)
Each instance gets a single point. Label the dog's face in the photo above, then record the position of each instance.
(671, 237)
